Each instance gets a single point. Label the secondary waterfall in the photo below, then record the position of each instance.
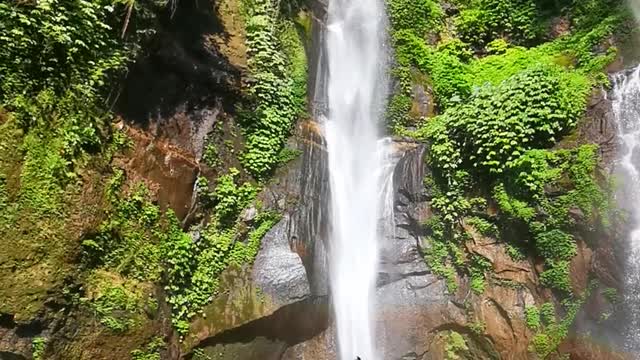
(626, 109)
(358, 167)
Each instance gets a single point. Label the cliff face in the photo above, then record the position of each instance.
(177, 270)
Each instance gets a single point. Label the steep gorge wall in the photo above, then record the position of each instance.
(188, 85)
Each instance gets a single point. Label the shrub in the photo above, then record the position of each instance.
(556, 276)
(419, 16)
(230, 198)
(498, 124)
(278, 67)
(532, 317)
(555, 244)
(487, 20)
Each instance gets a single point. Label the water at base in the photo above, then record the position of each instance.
(626, 109)
(358, 166)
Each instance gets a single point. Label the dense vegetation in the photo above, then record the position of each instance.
(84, 236)
(506, 92)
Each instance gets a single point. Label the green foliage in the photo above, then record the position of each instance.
(478, 268)
(548, 314)
(588, 13)
(130, 240)
(38, 345)
(445, 69)
(229, 198)
(556, 276)
(287, 154)
(457, 48)
(151, 350)
(278, 66)
(398, 112)
(498, 137)
(498, 124)
(55, 43)
(420, 17)
(611, 294)
(516, 252)
(194, 268)
(520, 193)
(478, 328)
(436, 254)
(532, 171)
(555, 244)
(120, 305)
(199, 354)
(551, 332)
(454, 74)
(512, 207)
(210, 155)
(532, 317)
(483, 226)
(487, 20)
(455, 346)
(497, 46)
(57, 60)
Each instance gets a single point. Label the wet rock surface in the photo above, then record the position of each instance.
(278, 271)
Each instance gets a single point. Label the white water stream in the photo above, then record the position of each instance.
(626, 109)
(359, 166)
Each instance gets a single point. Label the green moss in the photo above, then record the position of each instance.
(38, 345)
(151, 351)
(194, 269)
(129, 240)
(119, 304)
(455, 346)
(551, 332)
(397, 115)
(478, 328)
(437, 254)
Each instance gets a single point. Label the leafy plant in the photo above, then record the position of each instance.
(230, 198)
(455, 345)
(151, 351)
(532, 317)
(278, 66)
(611, 294)
(129, 240)
(486, 20)
(38, 345)
(194, 268)
(419, 16)
(118, 303)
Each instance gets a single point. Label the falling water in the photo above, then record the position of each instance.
(626, 108)
(358, 169)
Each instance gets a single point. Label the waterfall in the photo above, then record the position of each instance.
(626, 109)
(358, 164)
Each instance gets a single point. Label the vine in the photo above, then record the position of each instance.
(277, 92)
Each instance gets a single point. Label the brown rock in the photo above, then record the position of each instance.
(583, 348)
(559, 26)
(579, 268)
(167, 170)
